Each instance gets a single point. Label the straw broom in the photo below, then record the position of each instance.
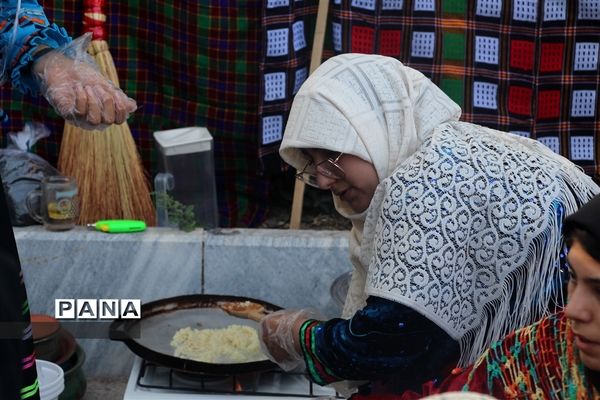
(106, 164)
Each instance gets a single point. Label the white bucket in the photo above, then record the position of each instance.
(51, 378)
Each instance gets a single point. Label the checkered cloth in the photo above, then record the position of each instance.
(288, 28)
(185, 63)
(525, 66)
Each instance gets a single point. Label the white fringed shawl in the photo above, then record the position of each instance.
(467, 231)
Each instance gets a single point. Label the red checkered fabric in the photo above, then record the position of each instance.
(525, 66)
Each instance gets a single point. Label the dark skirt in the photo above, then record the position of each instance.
(18, 376)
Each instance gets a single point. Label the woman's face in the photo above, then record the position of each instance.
(583, 306)
(359, 184)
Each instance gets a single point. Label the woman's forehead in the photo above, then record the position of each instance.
(580, 259)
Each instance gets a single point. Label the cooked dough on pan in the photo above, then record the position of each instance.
(230, 345)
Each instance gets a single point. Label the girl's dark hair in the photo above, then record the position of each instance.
(586, 239)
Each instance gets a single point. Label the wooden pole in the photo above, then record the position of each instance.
(315, 61)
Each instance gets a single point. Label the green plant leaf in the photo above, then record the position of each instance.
(179, 214)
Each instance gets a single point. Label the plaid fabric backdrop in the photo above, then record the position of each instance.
(187, 64)
(288, 28)
(525, 66)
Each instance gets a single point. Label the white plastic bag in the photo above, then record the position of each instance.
(23, 171)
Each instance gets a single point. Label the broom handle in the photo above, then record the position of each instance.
(94, 18)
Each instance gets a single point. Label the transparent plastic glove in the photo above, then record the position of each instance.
(71, 82)
(279, 335)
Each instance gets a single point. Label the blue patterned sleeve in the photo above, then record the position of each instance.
(33, 30)
(383, 340)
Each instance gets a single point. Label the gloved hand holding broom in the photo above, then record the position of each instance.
(72, 83)
(108, 168)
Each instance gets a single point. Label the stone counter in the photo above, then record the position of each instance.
(290, 268)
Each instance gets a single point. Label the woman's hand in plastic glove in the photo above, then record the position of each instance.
(71, 82)
(279, 335)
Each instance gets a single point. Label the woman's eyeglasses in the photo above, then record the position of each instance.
(328, 168)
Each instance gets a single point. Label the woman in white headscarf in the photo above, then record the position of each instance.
(456, 227)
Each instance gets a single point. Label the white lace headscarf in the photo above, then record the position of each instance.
(369, 106)
(465, 224)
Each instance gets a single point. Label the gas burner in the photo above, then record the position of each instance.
(149, 381)
(198, 379)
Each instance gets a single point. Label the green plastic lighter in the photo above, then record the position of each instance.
(118, 226)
